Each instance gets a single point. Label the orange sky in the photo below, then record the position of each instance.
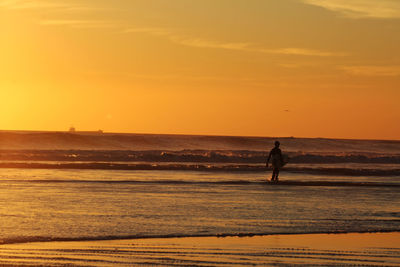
(326, 68)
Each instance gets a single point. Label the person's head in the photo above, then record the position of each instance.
(277, 143)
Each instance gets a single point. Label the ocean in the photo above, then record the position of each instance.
(59, 187)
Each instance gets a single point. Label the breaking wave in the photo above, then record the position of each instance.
(292, 168)
(199, 156)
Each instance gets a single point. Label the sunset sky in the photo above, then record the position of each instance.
(304, 68)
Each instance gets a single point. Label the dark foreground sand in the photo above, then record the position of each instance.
(375, 249)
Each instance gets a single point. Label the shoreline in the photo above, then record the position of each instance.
(17, 241)
(374, 249)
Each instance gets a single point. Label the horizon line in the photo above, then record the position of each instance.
(191, 134)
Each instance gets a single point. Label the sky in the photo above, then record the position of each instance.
(303, 68)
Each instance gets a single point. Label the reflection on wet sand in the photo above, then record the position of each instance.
(373, 249)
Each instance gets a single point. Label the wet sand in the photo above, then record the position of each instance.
(372, 249)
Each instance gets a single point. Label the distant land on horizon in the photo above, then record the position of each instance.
(98, 140)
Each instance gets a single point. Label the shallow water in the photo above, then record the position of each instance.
(38, 205)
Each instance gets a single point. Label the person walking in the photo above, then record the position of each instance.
(277, 161)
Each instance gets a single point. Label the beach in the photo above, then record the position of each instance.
(200, 206)
(199, 133)
(368, 249)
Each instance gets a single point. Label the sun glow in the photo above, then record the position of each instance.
(297, 68)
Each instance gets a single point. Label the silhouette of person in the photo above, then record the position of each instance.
(277, 160)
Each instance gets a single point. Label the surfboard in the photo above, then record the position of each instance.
(285, 158)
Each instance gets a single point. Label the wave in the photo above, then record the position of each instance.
(197, 156)
(30, 239)
(120, 141)
(314, 169)
(213, 183)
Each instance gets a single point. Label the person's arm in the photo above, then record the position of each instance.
(269, 157)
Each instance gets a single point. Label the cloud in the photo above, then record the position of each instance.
(301, 52)
(372, 70)
(237, 46)
(34, 4)
(45, 5)
(149, 30)
(187, 41)
(79, 23)
(383, 9)
(250, 47)
(203, 43)
(58, 6)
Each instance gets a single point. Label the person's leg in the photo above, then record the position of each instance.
(273, 175)
(276, 174)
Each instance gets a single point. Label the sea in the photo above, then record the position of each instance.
(58, 186)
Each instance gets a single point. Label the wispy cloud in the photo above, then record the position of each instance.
(237, 46)
(60, 5)
(79, 23)
(384, 9)
(34, 4)
(186, 41)
(203, 43)
(251, 47)
(372, 70)
(301, 52)
(150, 30)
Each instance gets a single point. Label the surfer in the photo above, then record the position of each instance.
(277, 160)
